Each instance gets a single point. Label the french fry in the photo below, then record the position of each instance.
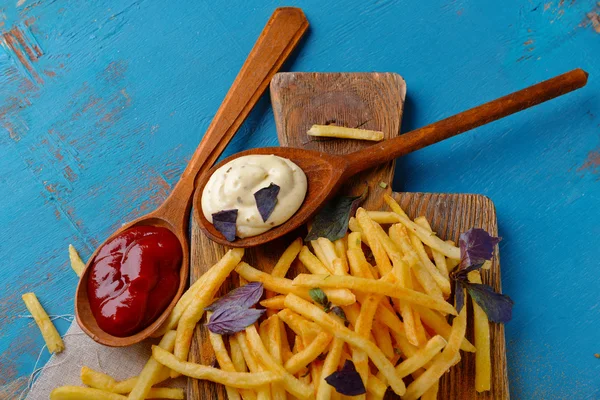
(342, 132)
(440, 280)
(441, 327)
(327, 322)
(481, 325)
(202, 298)
(383, 217)
(78, 393)
(401, 237)
(274, 303)
(152, 370)
(375, 388)
(51, 336)
(430, 239)
(291, 383)
(359, 265)
(330, 365)
(355, 228)
(237, 356)
(76, 262)
(442, 362)
(320, 254)
(263, 392)
(316, 370)
(368, 227)
(226, 364)
(301, 359)
(338, 267)
(402, 273)
(340, 250)
(312, 262)
(233, 256)
(284, 263)
(285, 286)
(421, 357)
(362, 327)
(419, 329)
(383, 339)
(240, 380)
(432, 392)
(270, 334)
(286, 353)
(439, 258)
(308, 330)
(99, 380)
(328, 249)
(287, 258)
(373, 286)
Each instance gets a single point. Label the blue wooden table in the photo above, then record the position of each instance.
(102, 103)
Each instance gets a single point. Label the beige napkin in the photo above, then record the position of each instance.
(119, 362)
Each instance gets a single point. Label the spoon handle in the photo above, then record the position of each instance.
(275, 43)
(464, 121)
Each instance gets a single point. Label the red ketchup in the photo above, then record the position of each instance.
(133, 278)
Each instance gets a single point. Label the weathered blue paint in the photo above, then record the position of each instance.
(102, 103)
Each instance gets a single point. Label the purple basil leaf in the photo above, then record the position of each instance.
(476, 247)
(226, 321)
(332, 221)
(224, 222)
(245, 297)
(459, 295)
(498, 307)
(347, 381)
(266, 198)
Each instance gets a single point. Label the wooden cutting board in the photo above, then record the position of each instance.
(370, 101)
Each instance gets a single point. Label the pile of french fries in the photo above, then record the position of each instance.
(391, 277)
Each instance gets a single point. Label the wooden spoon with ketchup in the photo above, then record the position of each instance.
(279, 37)
(326, 172)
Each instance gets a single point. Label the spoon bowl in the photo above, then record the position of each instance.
(84, 315)
(326, 172)
(275, 43)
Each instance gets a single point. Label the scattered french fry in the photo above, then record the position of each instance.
(373, 286)
(152, 369)
(241, 380)
(99, 380)
(274, 303)
(342, 132)
(51, 336)
(285, 286)
(78, 393)
(481, 325)
(76, 262)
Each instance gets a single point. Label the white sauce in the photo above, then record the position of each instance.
(233, 186)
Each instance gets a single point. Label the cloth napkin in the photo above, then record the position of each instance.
(80, 350)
